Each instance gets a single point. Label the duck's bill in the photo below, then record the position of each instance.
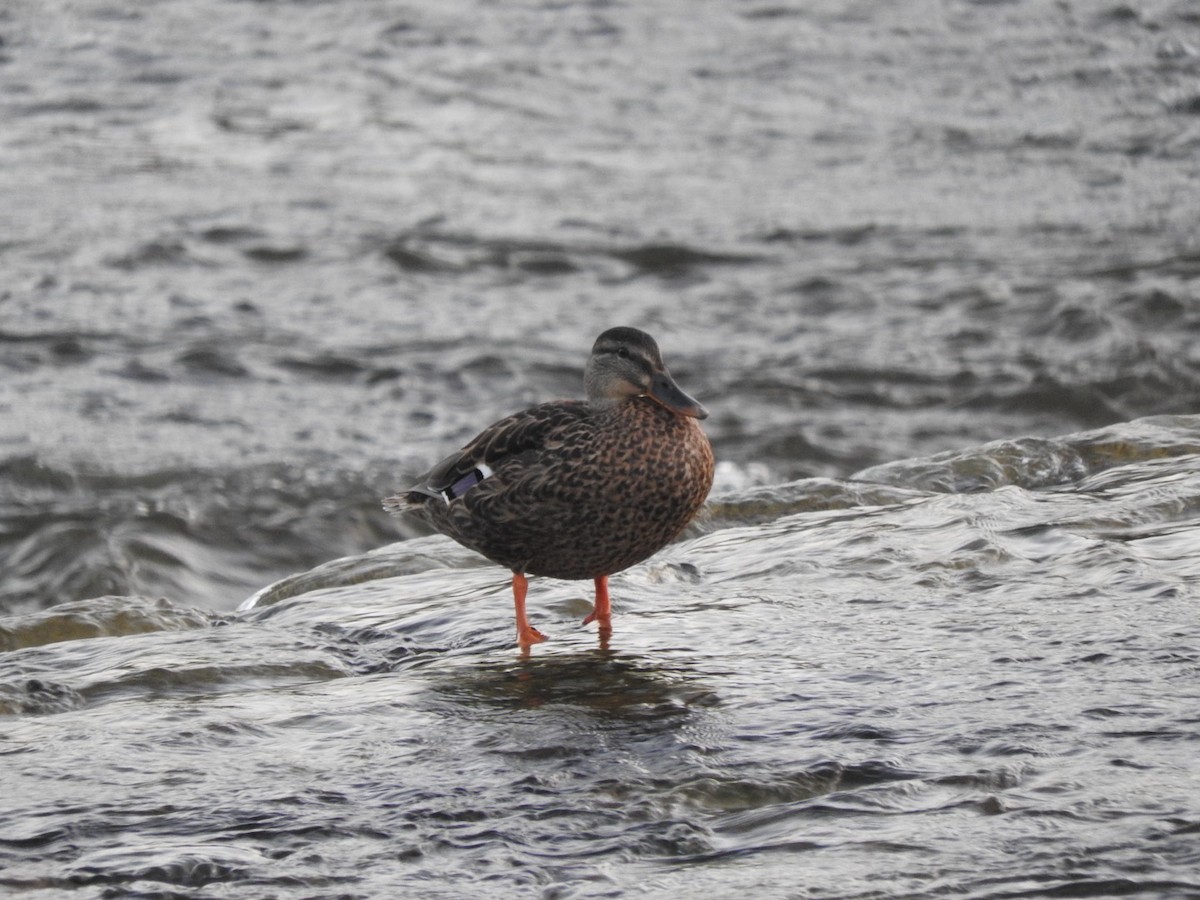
(664, 390)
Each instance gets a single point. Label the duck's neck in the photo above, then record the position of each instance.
(637, 405)
(604, 404)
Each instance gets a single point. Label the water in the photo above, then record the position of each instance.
(934, 271)
(985, 694)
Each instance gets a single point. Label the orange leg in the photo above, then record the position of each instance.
(602, 612)
(527, 635)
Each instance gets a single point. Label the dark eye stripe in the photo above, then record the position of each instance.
(642, 362)
(632, 355)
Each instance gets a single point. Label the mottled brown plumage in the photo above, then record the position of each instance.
(577, 489)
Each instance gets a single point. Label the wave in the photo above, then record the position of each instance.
(210, 539)
(1029, 464)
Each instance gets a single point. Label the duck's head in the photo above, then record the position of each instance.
(625, 363)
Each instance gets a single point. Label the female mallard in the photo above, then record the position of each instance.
(577, 489)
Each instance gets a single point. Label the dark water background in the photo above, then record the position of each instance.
(933, 267)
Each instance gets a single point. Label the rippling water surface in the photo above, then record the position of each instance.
(878, 690)
(933, 268)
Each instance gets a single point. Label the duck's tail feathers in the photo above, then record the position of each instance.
(413, 498)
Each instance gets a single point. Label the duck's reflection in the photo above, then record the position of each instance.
(601, 681)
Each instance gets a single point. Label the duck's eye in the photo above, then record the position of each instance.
(623, 352)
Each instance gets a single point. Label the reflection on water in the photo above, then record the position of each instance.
(603, 683)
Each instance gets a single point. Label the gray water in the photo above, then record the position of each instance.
(933, 267)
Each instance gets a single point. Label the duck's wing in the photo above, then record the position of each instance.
(529, 430)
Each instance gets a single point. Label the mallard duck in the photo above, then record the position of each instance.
(577, 489)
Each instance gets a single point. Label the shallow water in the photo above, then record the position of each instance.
(933, 269)
(986, 694)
